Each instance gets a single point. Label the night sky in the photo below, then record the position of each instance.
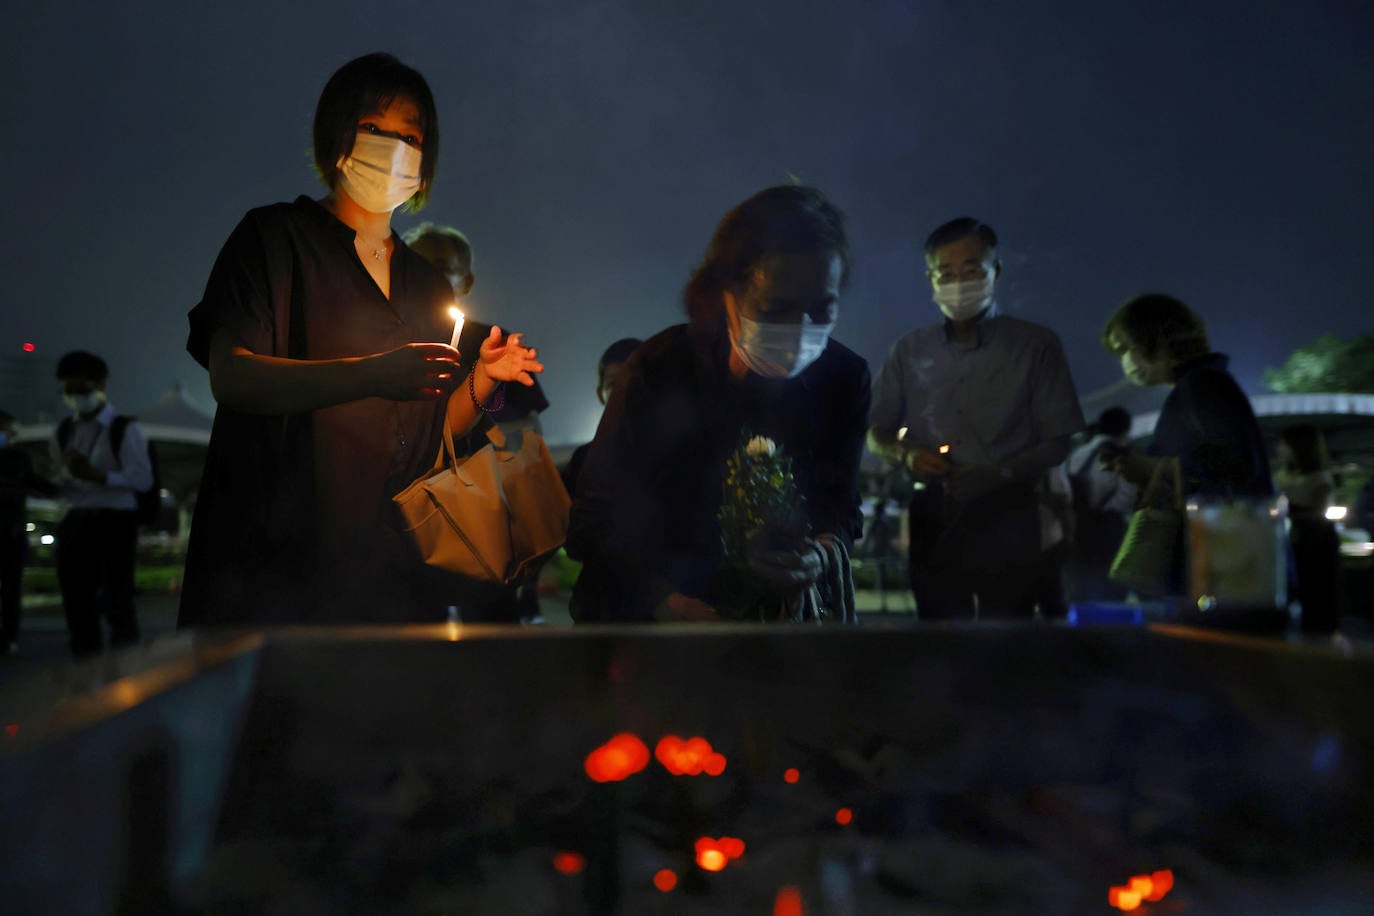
(1220, 152)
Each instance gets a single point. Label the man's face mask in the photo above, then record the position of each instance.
(961, 300)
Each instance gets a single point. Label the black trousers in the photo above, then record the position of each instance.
(95, 570)
(1317, 555)
(989, 548)
(13, 548)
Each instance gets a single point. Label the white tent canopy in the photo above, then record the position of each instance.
(174, 418)
(1285, 405)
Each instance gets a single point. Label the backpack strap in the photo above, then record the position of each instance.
(64, 433)
(118, 427)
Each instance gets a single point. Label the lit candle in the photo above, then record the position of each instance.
(457, 326)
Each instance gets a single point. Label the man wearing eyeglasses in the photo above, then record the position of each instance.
(977, 407)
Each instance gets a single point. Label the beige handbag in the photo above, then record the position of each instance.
(495, 515)
(1146, 560)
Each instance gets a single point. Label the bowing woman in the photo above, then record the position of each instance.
(324, 338)
(755, 354)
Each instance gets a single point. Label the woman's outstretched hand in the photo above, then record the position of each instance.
(507, 359)
(416, 372)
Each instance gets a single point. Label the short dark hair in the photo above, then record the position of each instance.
(448, 234)
(616, 353)
(359, 88)
(1308, 445)
(778, 220)
(1114, 421)
(1159, 326)
(961, 228)
(82, 364)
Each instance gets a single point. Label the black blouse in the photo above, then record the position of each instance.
(294, 520)
(644, 520)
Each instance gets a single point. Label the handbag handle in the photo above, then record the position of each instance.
(448, 449)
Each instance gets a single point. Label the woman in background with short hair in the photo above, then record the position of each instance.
(1206, 422)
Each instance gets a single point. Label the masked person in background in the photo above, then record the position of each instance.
(104, 462)
(757, 355)
(977, 407)
(326, 340)
(1102, 506)
(1206, 422)
(1304, 476)
(473, 601)
(608, 372)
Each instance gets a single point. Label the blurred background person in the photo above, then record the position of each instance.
(608, 372)
(17, 482)
(756, 355)
(449, 250)
(102, 468)
(1304, 476)
(1102, 504)
(325, 338)
(1056, 539)
(1206, 422)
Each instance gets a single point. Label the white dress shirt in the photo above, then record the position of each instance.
(126, 473)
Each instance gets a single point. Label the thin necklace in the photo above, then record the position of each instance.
(377, 253)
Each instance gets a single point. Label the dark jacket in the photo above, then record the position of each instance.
(1208, 424)
(644, 521)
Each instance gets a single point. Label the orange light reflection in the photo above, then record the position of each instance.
(665, 879)
(788, 902)
(569, 863)
(711, 859)
(732, 846)
(1123, 898)
(844, 816)
(1161, 882)
(791, 775)
(621, 757)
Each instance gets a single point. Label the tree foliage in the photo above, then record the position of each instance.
(1327, 364)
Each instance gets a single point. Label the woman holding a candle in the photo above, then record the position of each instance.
(325, 340)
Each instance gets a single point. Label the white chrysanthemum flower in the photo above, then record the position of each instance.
(759, 445)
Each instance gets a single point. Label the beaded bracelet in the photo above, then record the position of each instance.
(499, 394)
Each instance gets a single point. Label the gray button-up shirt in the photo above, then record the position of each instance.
(1008, 392)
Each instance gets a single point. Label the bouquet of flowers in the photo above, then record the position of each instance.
(758, 499)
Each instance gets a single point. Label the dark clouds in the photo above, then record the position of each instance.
(1215, 151)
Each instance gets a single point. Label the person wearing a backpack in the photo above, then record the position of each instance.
(105, 464)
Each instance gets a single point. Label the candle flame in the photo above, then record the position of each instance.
(454, 313)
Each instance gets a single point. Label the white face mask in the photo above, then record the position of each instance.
(963, 299)
(89, 402)
(778, 350)
(381, 173)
